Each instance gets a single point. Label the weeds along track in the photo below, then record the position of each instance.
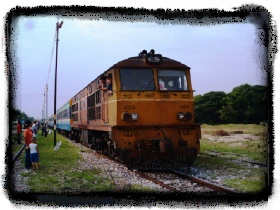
(229, 157)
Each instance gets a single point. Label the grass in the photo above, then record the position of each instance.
(58, 170)
(251, 184)
(252, 151)
(240, 176)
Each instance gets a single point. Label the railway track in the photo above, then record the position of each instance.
(18, 153)
(180, 182)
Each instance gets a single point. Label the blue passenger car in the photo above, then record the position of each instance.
(50, 122)
(63, 118)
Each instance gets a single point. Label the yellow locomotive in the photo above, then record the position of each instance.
(141, 111)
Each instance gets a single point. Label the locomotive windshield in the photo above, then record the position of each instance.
(173, 80)
(137, 79)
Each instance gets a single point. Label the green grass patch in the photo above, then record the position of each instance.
(58, 171)
(253, 149)
(250, 150)
(230, 155)
(249, 184)
(236, 175)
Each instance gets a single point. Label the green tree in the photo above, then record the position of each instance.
(207, 107)
(16, 115)
(245, 104)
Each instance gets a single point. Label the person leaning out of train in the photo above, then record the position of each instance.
(28, 134)
(109, 84)
(106, 84)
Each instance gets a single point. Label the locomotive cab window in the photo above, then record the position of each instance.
(172, 80)
(137, 79)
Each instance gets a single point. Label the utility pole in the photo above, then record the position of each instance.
(58, 26)
(46, 101)
(44, 114)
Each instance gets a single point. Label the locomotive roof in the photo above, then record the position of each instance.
(140, 61)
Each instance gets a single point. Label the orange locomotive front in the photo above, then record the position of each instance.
(141, 111)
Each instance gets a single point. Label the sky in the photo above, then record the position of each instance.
(221, 56)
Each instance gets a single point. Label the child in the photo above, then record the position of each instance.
(34, 154)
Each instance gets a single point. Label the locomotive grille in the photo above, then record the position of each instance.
(158, 164)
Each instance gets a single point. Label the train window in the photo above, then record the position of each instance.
(98, 112)
(91, 101)
(90, 88)
(97, 97)
(75, 117)
(137, 79)
(174, 80)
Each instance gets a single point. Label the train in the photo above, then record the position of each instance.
(139, 111)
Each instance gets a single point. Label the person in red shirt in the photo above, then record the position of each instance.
(28, 134)
(18, 132)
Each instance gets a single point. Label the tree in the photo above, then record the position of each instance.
(207, 107)
(245, 104)
(16, 115)
(249, 104)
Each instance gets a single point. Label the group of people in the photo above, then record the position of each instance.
(31, 148)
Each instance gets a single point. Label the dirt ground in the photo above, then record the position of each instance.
(232, 137)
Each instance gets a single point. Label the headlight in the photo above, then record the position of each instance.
(188, 116)
(181, 115)
(126, 116)
(134, 116)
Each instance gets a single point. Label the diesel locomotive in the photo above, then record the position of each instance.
(140, 111)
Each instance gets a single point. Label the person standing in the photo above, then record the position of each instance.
(18, 132)
(34, 128)
(46, 129)
(37, 127)
(43, 129)
(28, 134)
(34, 154)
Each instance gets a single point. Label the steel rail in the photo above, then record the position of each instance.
(156, 181)
(208, 184)
(18, 154)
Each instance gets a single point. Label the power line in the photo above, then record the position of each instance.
(45, 89)
(51, 57)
